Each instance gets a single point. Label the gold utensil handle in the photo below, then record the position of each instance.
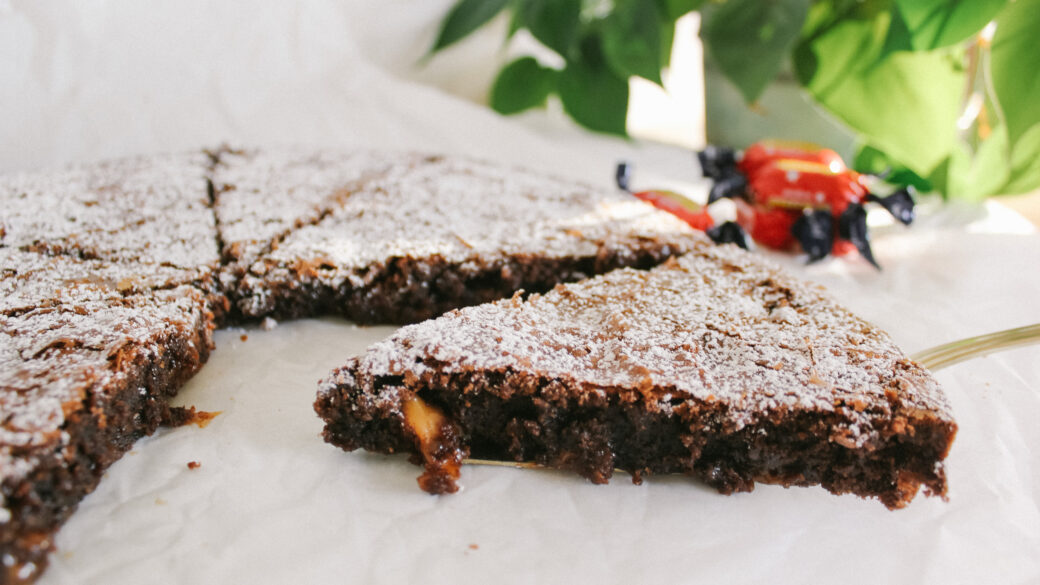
(951, 353)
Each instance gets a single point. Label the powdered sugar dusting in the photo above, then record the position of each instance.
(153, 210)
(261, 195)
(463, 211)
(30, 280)
(51, 357)
(63, 322)
(97, 260)
(719, 324)
(459, 208)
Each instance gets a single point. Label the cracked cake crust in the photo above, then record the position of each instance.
(114, 275)
(717, 365)
(117, 210)
(399, 249)
(82, 376)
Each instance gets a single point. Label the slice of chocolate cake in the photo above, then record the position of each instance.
(441, 233)
(154, 211)
(260, 196)
(89, 356)
(29, 280)
(716, 365)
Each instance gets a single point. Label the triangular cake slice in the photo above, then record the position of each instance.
(262, 195)
(149, 210)
(150, 217)
(718, 365)
(30, 280)
(440, 233)
(90, 352)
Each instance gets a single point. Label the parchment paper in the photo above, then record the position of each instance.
(271, 503)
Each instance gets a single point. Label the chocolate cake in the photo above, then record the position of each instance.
(261, 196)
(440, 233)
(150, 210)
(113, 276)
(89, 356)
(717, 365)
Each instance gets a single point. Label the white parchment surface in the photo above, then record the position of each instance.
(271, 503)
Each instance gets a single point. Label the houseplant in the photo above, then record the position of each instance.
(941, 93)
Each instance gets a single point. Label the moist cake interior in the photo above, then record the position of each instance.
(717, 365)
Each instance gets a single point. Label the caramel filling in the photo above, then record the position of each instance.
(438, 444)
(424, 420)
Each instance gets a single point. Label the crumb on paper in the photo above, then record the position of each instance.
(194, 465)
(179, 416)
(474, 546)
(244, 337)
(268, 324)
(160, 502)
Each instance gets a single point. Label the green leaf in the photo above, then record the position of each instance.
(592, 93)
(940, 23)
(748, 40)
(1025, 163)
(898, 37)
(673, 9)
(516, 18)
(1014, 57)
(940, 177)
(521, 85)
(975, 175)
(869, 160)
(632, 39)
(553, 22)
(667, 39)
(838, 48)
(464, 18)
(874, 29)
(905, 104)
